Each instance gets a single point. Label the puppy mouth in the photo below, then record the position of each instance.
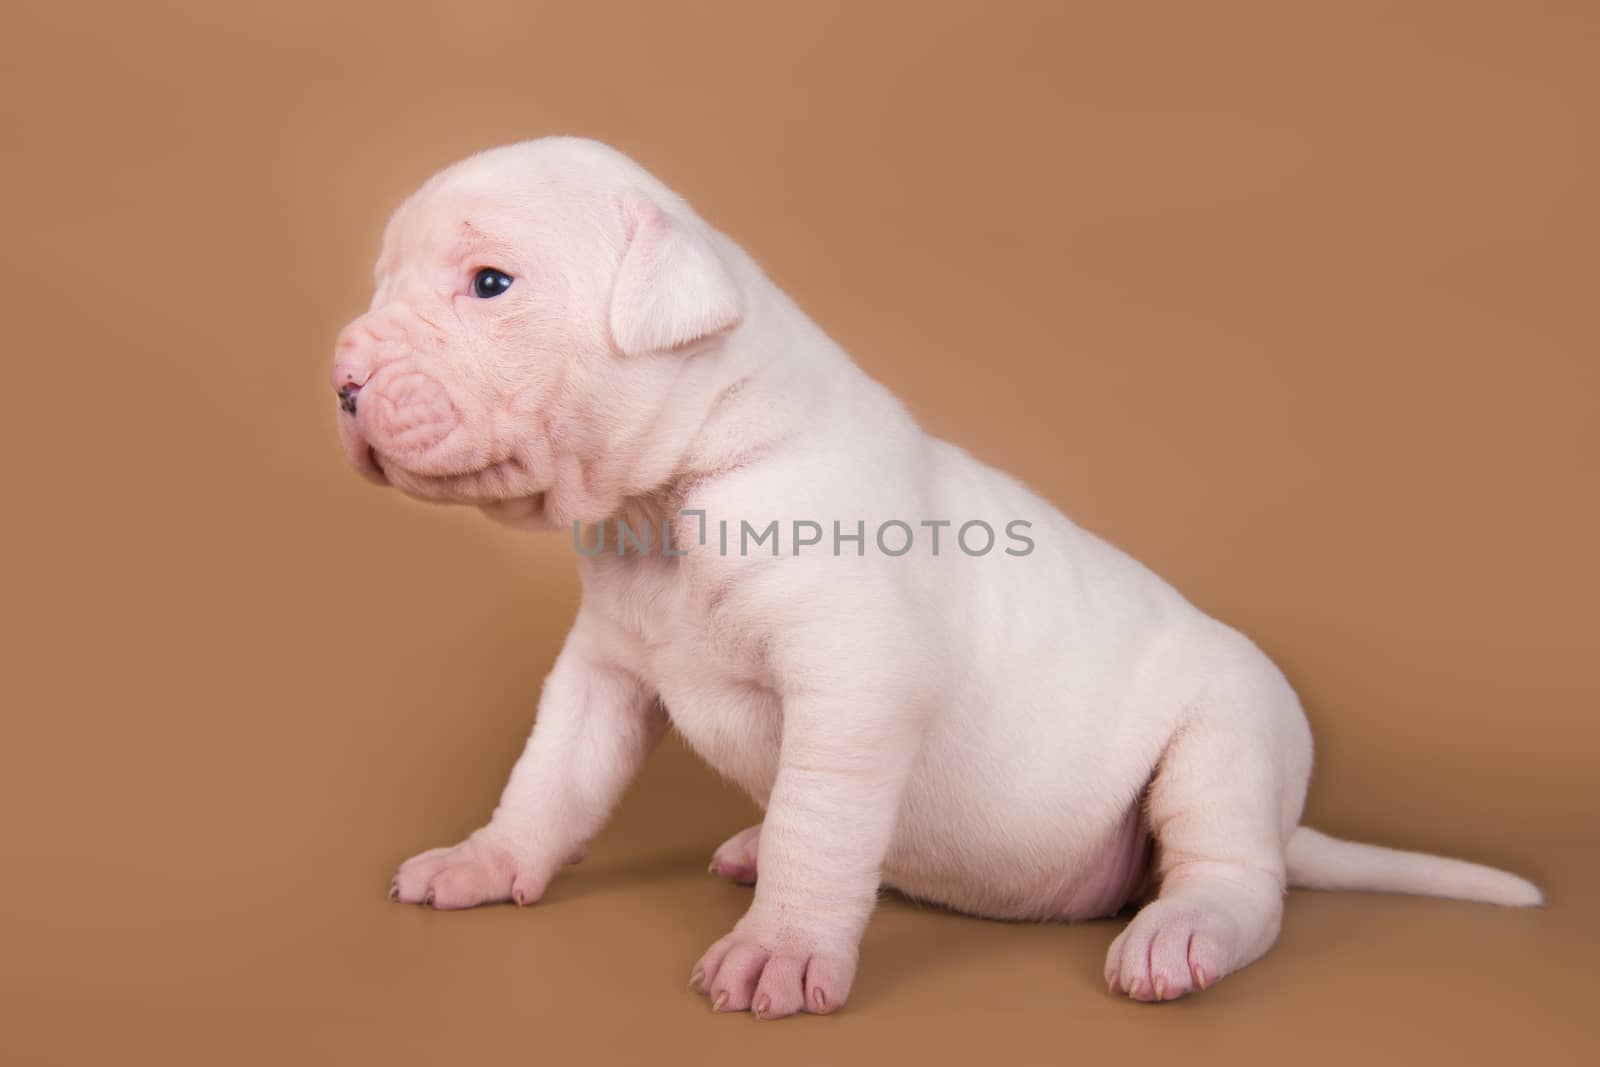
(504, 475)
(362, 456)
(373, 467)
(498, 480)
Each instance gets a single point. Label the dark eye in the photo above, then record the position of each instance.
(489, 282)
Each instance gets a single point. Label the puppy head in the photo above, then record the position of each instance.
(534, 307)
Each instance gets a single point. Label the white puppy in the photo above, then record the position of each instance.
(926, 675)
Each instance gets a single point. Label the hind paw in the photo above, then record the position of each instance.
(1170, 949)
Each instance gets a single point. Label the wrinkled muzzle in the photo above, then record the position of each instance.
(400, 408)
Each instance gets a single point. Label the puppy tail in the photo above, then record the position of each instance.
(1317, 861)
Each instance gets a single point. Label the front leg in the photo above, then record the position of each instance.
(596, 724)
(841, 775)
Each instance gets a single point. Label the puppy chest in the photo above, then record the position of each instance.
(710, 672)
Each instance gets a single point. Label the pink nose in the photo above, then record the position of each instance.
(350, 372)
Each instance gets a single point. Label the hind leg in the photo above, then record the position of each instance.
(735, 859)
(1224, 798)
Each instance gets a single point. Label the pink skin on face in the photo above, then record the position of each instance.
(554, 399)
(424, 403)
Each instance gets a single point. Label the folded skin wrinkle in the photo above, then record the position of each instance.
(559, 340)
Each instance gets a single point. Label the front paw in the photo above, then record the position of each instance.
(483, 869)
(773, 972)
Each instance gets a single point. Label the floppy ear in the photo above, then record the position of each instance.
(672, 288)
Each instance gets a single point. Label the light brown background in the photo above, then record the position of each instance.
(1295, 302)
